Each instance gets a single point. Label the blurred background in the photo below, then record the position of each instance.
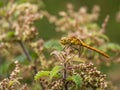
(108, 7)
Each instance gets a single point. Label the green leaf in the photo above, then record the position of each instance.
(11, 67)
(110, 46)
(41, 74)
(4, 68)
(76, 79)
(37, 87)
(93, 26)
(103, 36)
(22, 59)
(10, 34)
(53, 44)
(113, 46)
(55, 71)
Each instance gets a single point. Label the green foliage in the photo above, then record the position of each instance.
(53, 44)
(10, 34)
(103, 36)
(77, 80)
(92, 26)
(22, 59)
(41, 74)
(55, 71)
(11, 67)
(113, 46)
(4, 68)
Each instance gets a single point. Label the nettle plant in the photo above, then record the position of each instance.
(68, 66)
(17, 32)
(83, 25)
(17, 25)
(73, 73)
(75, 70)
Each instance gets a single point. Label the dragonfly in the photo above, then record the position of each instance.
(70, 41)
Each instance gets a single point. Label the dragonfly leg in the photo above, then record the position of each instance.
(66, 47)
(79, 50)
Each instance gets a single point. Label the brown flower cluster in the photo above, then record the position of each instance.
(81, 24)
(73, 20)
(17, 22)
(57, 85)
(54, 85)
(24, 87)
(38, 46)
(11, 82)
(91, 76)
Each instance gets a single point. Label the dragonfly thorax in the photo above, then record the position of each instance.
(70, 40)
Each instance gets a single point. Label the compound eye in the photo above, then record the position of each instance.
(63, 40)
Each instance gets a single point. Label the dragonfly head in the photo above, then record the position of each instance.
(64, 40)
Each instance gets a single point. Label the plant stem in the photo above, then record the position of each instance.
(42, 87)
(25, 51)
(64, 77)
(83, 88)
